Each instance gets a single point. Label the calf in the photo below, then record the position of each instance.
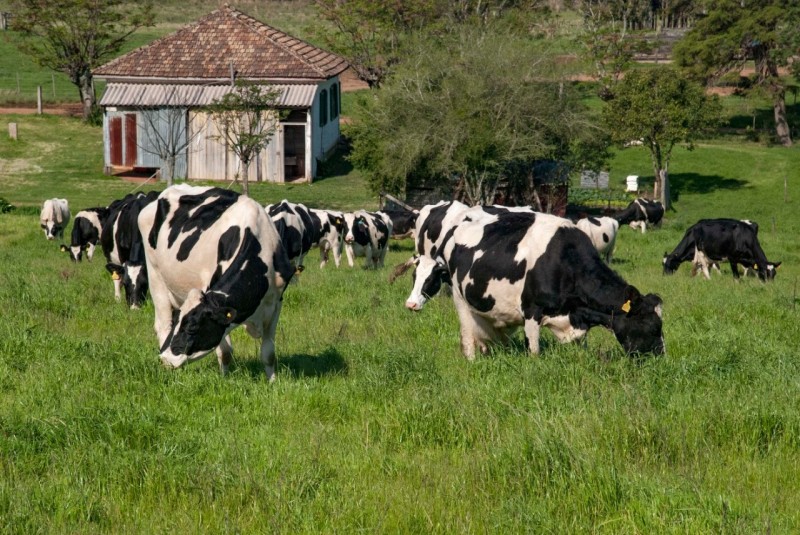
(603, 233)
(367, 234)
(403, 222)
(528, 269)
(215, 262)
(54, 217)
(641, 213)
(715, 240)
(86, 231)
(123, 247)
(329, 234)
(295, 228)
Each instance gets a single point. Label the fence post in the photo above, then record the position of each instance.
(12, 130)
(39, 99)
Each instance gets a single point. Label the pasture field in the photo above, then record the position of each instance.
(376, 423)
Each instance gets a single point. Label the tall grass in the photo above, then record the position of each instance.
(376, 422)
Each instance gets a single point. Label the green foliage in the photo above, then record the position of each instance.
(469, 105)
(5, 206)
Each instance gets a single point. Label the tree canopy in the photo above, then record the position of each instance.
(465, 109)
(75, 36)
(660, 108)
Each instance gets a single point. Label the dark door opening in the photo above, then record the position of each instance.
(115, 140)
(294, 151)
(130, 139)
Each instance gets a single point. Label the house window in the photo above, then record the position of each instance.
(323, 107)
(334, 101)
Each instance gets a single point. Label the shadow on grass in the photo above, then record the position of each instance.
(336, 165)
(401, 245)
(695, 183)
(328, 362)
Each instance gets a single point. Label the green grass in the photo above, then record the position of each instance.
(376, 422)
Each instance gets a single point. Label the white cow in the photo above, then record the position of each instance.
(603, 233)
(54, 217)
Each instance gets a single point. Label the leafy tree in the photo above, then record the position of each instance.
(246, 119)
(464, 110)
(75, 36)
(734, 32)
(660, 108)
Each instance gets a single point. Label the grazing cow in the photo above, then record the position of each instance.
(86, 232)
(641, 213)
(215, 262)
(294, 226)
(329, 233)
(403, 222)
(367, 234)
(515, 268)
(124, 249)
(54, 217)
(714, 240)
(603, 233)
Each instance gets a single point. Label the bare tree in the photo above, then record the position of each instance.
(166, 131)
(246, 119)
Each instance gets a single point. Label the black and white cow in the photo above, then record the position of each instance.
(714, 240)
(641, 213)
(367, 234)
(54, 217)
(215, 262)
(86, 231)
(430, 222)
(294, 226)
(329, 234)
(603, 233)
(124, 249)
(528, 269)
(403, 222)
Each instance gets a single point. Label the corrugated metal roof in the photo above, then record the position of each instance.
(148, 95)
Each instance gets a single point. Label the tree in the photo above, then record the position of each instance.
(75, 36)
(166, 133)
(464, 110)
(662, 109)
(246, 119)
(734, 32)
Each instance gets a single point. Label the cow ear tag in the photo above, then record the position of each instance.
(338, 221)
(626, 306)
(228, 315)
(755, 266)
(114, 276)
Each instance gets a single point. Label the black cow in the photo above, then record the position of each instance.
(403, 222)
(641, 213)
(215, 262)
(714, 240)
(86, 232)
(124, 249)
(517, 268)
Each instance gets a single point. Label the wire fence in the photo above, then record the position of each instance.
(21, 87)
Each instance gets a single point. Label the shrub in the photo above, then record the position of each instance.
(5, 206)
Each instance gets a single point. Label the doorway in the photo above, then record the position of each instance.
(294, 152)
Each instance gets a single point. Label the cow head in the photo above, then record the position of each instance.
(428, 278)
(197, 327)
(51, 229)
(356, 229)
(671, 263)
(133, 277)
(767, 272)
(637, 323)
(76, 251)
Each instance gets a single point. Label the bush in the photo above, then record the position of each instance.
(5, 206)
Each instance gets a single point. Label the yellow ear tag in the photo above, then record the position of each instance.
(755, 266)
(338, 221)
(626, 306)
(114, 276)
(229, 315)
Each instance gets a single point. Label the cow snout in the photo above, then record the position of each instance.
(411, 305)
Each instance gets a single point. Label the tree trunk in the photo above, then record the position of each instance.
(88, 99)
(781, 125)
(170, 171)
(245, 174)
(665, 194)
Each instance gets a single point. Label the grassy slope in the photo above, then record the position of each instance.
(376, 421)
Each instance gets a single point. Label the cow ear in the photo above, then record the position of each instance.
(225, 315)
(64, 248)
(115, 270)
(630, 297)
(776, 265)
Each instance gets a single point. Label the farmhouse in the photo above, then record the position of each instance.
(175, 76)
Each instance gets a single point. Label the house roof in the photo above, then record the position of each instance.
(298, 96)
(206, 50)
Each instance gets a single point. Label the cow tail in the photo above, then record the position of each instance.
(400, 270)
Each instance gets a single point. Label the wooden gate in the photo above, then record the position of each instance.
(130, 139)
(115, 140)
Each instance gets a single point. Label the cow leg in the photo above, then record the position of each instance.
(90, 251)
(268, 342)
(162, 305)
(348, 249)
(224, 354)
(532, 329)
(117, 286)
(323, 254)
(337, 254)
(467, 326)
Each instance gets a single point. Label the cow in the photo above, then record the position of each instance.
(123, 247)
(329, 233)
(714, 240)
(215, 262)
(603, 233)
(54, 218)
(86, 231)
(517, 268)
(403, 222)
(430, 222)
(367, 234)
(641, 213)
(295, 228)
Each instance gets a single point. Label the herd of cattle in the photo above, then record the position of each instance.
(213, 260)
